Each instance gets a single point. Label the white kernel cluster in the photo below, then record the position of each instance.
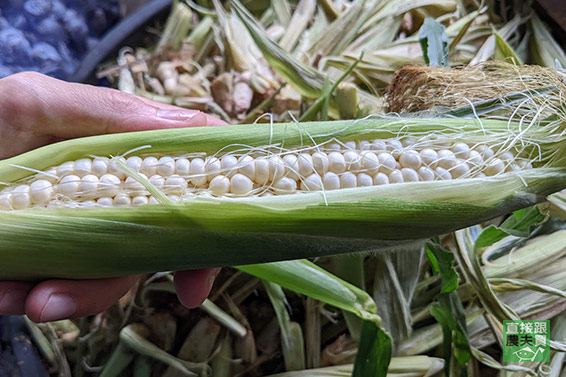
(103, 182)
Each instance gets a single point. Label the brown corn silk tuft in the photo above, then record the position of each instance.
(420, 88)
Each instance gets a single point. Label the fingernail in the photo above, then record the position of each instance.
(177, 114)
(58, 307)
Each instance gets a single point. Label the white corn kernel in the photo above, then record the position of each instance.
(378, 145)
(88, 204)
(21, 197)
(292, 166)
(461, 150)
(49, 175)
(331, 181)
(442, 173)
(100, 166)
(5, 202)
(426, 174)
(524, 164)
(66, 168)
(241, 185)
(134, 163)
(494, 167)
(460, 169)
(228, 164)
(157, 181)
(312, 183)
(41, 191)
(306, 164)
(152, 200)
(285, 186)
(320, 162)
(387, 162)
(70, 185)
(198, 178)
(446, 159)
(336, 162)
(132, 186)
(410, 159)
(247, 166)
(332, 147)
(89, 185)
(485, 151)
(261, 171)
(105, 202)
(115, 169)
(364, 180)
(364, 145)
(183, 167)
(174, 198)
(219, 185)
(380, 179)
(83, 167)
(370, 163)
(212, 167)
(353, 161)
(429, 157)
(395, 176)
(348, 180)
(409, 175)
(507, 156)
(140, 200)
(175, 184)
(109, 184)
(122, 200)
(407, 142)
(394, 147)
(350, 145)
(276, 168)
(475, 159)
(149, 166)
(166, 166)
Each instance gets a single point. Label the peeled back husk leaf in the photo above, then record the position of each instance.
(206, 231)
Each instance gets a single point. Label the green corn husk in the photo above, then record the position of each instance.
(206, 232)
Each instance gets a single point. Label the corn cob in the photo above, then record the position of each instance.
(100, 181)
(273, 191)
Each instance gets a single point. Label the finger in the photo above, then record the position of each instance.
(41, 109)
(53, 300)
(193, 287)
(13, 297)
(210, 119)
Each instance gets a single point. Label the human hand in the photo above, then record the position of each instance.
(36, 110)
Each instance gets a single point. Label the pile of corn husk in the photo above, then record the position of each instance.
(282, 60)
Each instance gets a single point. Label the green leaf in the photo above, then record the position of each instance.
(504, 52)
(374, 352)
(304, 277)
(489, 236)
(520, 224)
(441, 262)
(449, 313)
(434, 42)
